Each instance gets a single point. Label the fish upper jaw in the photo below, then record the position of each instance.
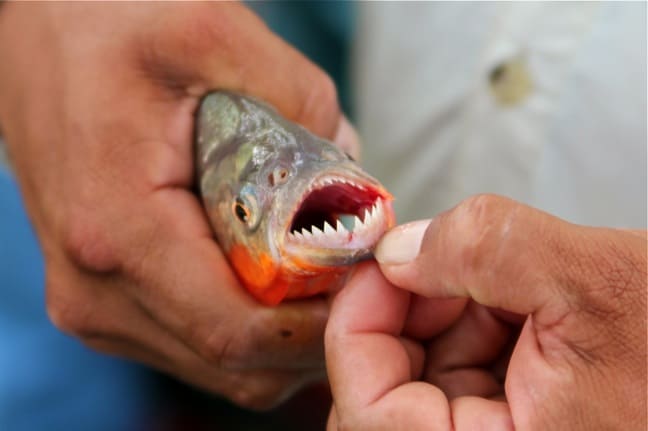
(337, 220)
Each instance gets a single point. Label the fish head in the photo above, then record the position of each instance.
(286, 206)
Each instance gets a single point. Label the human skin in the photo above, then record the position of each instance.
(493, 316)
(96, 107)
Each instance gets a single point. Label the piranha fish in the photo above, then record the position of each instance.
(291, 211)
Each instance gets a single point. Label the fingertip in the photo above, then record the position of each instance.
(398, 253)
(402, 244)
(347, 138)
(314, 98)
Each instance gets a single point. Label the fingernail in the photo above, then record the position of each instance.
(347, 138)
(401, 244)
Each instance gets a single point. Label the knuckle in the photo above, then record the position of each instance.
(480, 240)
(222, 349)
(86, 246)
(260, 400)
(260, 392)
(480, 209)
(476, 221)
(64, 313)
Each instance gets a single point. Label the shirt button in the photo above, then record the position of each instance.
(510, 82)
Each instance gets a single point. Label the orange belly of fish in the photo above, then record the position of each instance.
(271, 283)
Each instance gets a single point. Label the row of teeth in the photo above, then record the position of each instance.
(336, 180)
(339, 236)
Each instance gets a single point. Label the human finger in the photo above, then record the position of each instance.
(184, 282)
(107, 320)
(347, 138)
(500, 253)
(459, 360)
(581, 289)
(363, 333)
(428, 317)
(369, 368)
(475, 413)
(226, 46)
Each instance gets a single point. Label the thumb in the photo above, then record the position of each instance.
(500, 253)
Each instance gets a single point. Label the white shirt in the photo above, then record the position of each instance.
(436, 132)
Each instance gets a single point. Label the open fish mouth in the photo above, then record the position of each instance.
(341, 213)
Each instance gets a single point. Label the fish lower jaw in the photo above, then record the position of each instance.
(348, 232)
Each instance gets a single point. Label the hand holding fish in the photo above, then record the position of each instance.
(97, 107)
(493, 316)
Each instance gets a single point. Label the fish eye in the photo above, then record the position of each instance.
(278, 176)
(241, 211)
(245, 208)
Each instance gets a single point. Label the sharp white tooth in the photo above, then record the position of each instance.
(297, 236)
(379, 209)
(340, 227)
(367, 216)
(374, 215)
(357, 223)
(328, 229)
(306, 234)
(316, 231)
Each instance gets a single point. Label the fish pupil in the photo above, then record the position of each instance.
(242, 213)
